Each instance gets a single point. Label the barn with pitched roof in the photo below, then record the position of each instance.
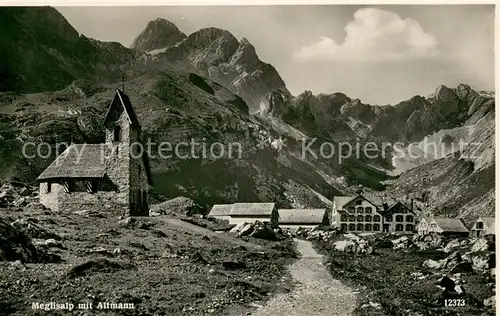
(238, 213)
(484, 225)
(307, 218)
(221, 211)
(251, 212)
(112, 174)
(448, 226)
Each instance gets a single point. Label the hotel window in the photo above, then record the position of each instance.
(376, 218)
(350, 209)
(343, 218)
(352, 227)
(409, 228)
(360, 227)
(359, 210)
(399, 218)
(359, 202)
(368, 227)
(368, 218)
(351, 218)
(360, 218)
(343, 227)
(376, 227)
(368, 210)
(399, 227)
(479, 225)
(388, 218)
(409, 218)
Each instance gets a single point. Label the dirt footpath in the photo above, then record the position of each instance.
(316, 292)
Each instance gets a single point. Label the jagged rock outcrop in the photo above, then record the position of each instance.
(273, 104)
(344, 118)
(217, 54)
(460, 184)
(158, 34)
(206, 47)
(41, 51)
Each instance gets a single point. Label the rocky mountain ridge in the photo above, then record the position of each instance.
(218, 55)
(343, 118)
(158, 34)
(41, 51)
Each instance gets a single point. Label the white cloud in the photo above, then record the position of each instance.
(374, 34)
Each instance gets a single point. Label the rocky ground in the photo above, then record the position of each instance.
(163, 265)
(420, 275)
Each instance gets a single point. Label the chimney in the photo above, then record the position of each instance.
(411, 205)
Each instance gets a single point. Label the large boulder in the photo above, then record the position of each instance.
(490, 303)
(15, 245)
(263, 231)
(433, 264)
(383, 244)
(33, 230)
(451, 245)
(480, 244)
(401, 242)
(352, 236)
(462, 267)
(347, 246)
(177, 206)
(447, 283)
(319, 233)
(423, 245)
(237, 228)
(452, 260)
(424, 242)
(483, 262)
(245, 229)
(16, 194)
(358, 246)
(450, 287)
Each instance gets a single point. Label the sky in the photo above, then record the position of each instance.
(379, 54)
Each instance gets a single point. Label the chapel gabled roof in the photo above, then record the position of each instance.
(124, 101)
(77, 161)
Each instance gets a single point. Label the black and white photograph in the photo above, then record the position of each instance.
(264, 159)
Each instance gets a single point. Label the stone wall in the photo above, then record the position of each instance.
(50, 199)
(118, 160)
(138, 177)
(59, 200)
